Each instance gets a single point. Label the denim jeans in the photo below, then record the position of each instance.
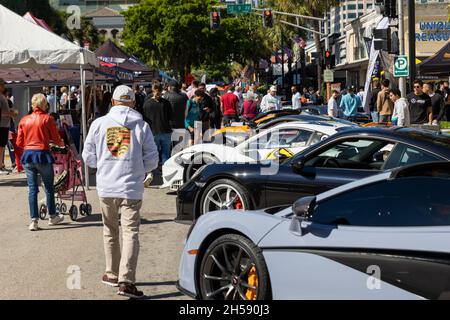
(11, 153)
(163, 143)
(375, 116)
(46, 171)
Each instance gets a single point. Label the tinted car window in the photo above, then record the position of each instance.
(410, 201)
(353, 154)
(404, 155)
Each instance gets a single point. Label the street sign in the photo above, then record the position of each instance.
(239, 8)
(328, 75)
(401, 66)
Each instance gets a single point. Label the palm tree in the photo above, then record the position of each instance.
(313, 8)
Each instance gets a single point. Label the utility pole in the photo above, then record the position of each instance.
(327, 48)
(282, 63)
(401, 39)
(412, 41)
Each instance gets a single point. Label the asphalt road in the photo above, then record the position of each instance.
(40, 265)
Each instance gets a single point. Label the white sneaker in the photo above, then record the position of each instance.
(33, 225)
(148, 180)
(55, 220)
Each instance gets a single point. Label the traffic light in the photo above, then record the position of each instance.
(268, 18)
(327, 58)
(390, 8)
(215, 20)
(382, 39)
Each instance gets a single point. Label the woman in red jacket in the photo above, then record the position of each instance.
(34, 135)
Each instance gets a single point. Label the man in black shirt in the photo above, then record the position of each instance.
(158, 114)
(206, 109)
(373, 100)
(437, 102)
(420, 105)
(444, 90)
(140, 98)
(178, 101)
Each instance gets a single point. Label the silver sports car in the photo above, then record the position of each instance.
(384, 237)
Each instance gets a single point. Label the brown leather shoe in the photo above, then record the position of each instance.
(129, 290)
(110, 281)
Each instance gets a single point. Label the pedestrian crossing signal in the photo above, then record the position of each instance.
(268, 18)
(215, 20)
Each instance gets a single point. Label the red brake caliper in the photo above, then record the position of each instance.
(238, 204)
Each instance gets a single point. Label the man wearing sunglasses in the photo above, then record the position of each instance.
(420, 105)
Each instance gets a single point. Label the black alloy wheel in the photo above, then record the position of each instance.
(233, 268)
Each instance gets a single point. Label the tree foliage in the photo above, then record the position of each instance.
(175, 35)
(313, 8)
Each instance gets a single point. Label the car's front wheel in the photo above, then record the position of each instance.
(225, 194)
(233, 268)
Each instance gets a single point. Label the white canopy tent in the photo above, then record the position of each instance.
(25, 45)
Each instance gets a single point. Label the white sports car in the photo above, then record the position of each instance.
(291, 136)
(383, 237)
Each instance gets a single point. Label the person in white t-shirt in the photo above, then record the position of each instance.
(296, 103)
(333, 106)
(270, 101)
(400, 115)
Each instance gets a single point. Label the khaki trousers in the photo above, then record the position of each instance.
(121, 265)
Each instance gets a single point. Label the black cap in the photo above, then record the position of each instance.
(173, 83)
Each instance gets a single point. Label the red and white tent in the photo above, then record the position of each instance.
(40, 22)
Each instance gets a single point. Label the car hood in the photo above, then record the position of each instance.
(254, 224)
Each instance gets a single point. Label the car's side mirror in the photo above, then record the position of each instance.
(304, 207)
(298, 164)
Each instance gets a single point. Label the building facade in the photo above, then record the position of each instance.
(91, 5)
(349, 41)
(347, 11)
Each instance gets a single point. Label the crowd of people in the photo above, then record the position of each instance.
(131, 134)
(428, 104)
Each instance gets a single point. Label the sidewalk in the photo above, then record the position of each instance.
(35, 265)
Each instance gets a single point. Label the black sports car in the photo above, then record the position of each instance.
(344, 157)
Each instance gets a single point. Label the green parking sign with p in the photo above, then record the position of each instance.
(401, 66)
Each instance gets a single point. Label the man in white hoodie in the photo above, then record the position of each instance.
(121, 146)
(400, 115)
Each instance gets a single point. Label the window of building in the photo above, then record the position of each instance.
(351, 6)
(351, 15)
(360, 6)
(369, 6)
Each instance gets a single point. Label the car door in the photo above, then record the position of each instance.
(361, 157)
(386, 240)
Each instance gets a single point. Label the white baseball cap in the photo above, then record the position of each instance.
(273, 88)
(124, 94)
